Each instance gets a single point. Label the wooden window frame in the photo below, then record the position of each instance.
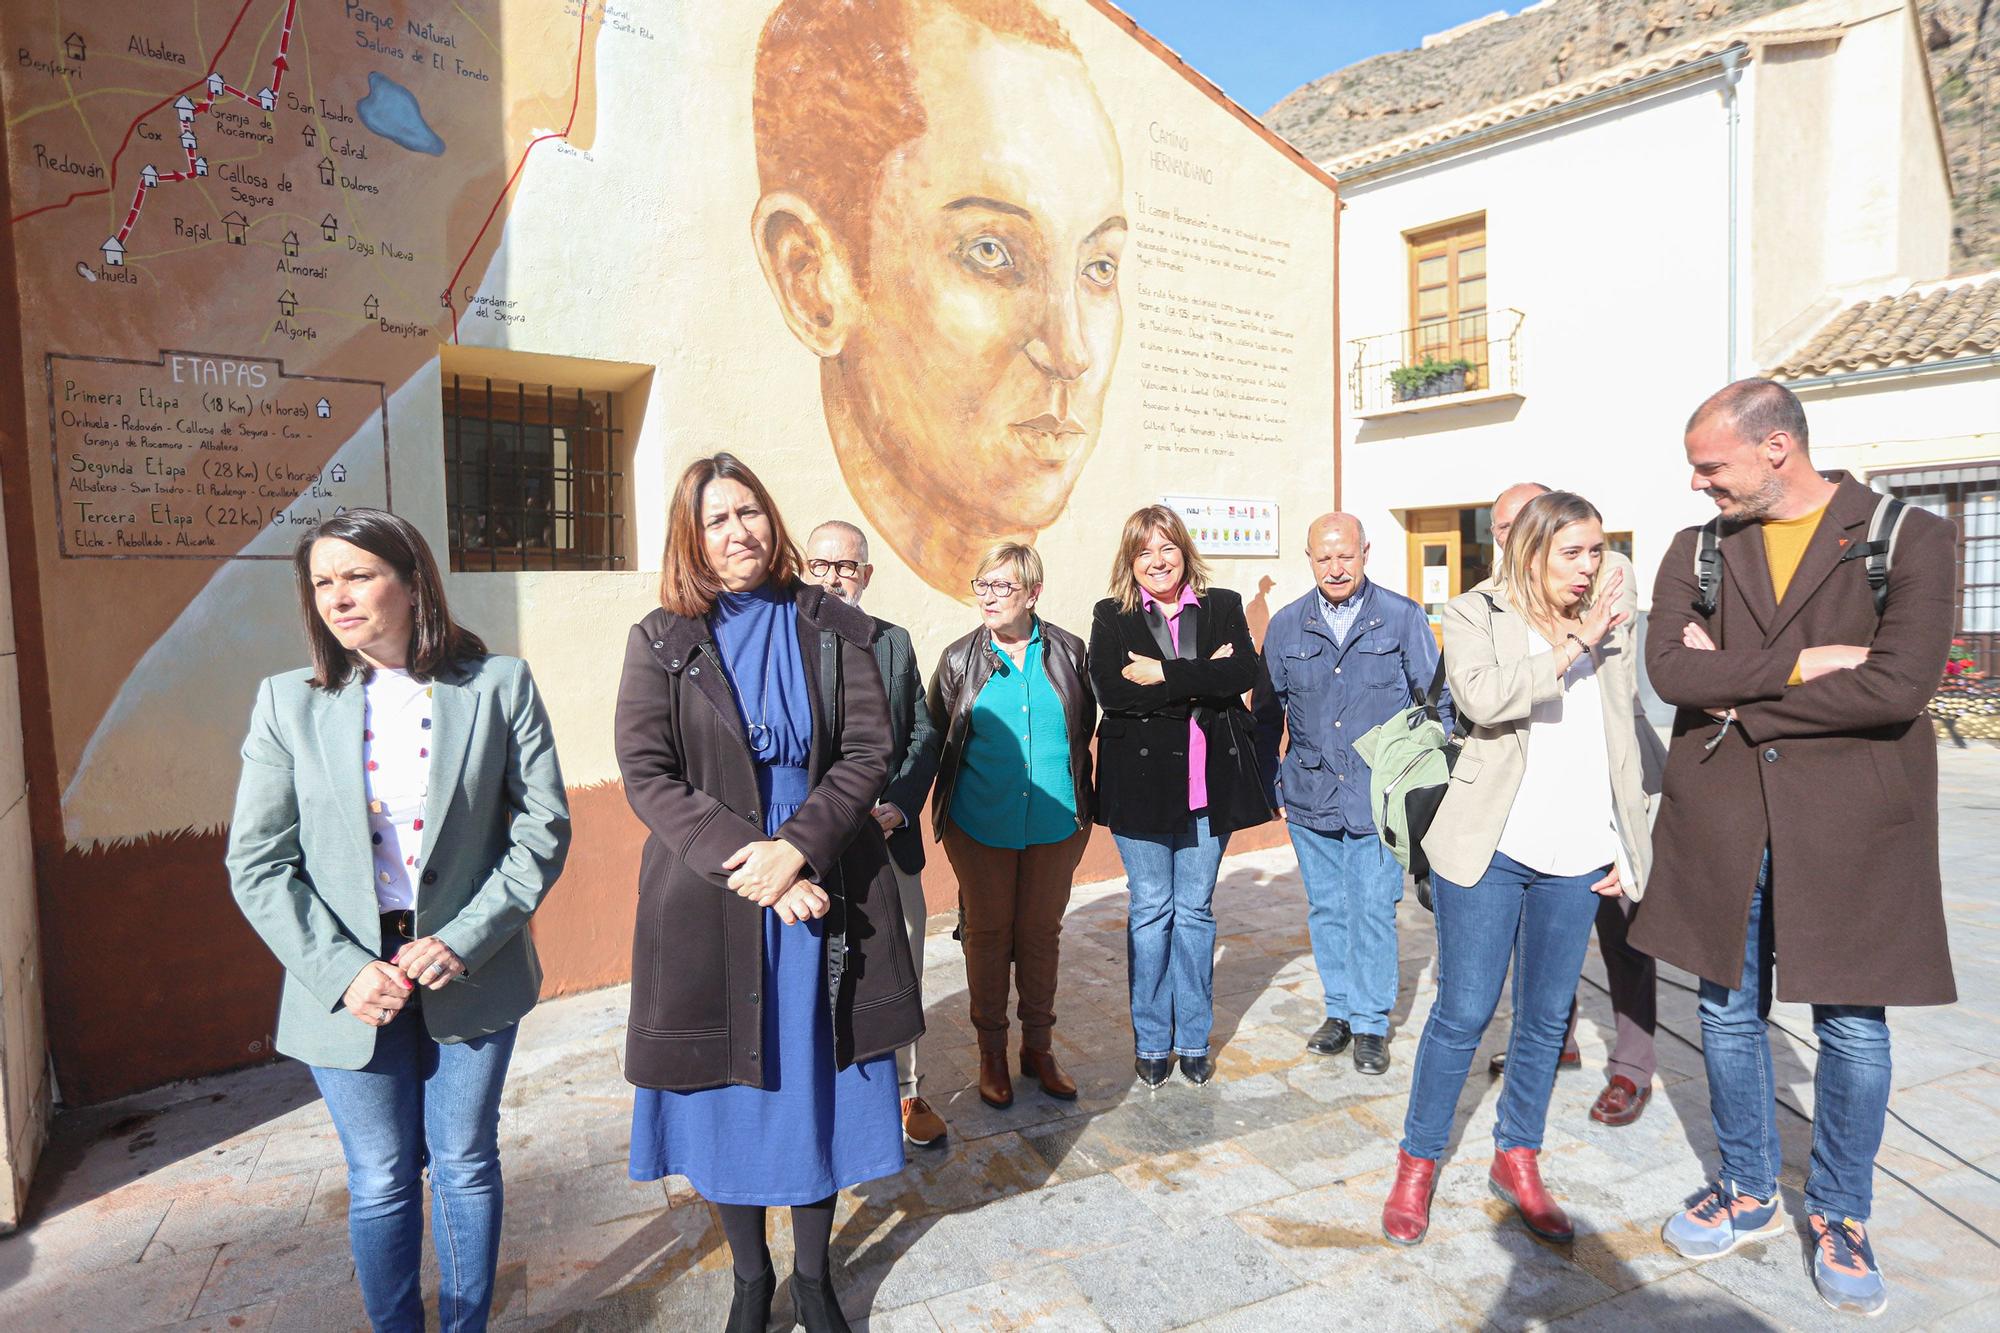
(1466, 331)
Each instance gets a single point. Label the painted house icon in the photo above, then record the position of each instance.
(201, 166)
(444, 298)
(73, 47)
(215, 85)
(188, 140)
(324, 409)
(371, 307)
(309, 135)
(149, 177)
(233, 224)
(114, 253)
(338, 472)
(326, 171)
(266, 99)
(184, 109)
(329, 227)
(288, 304)
(291, 245)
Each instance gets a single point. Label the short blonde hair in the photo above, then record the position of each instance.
(1138, 530)
(1027, 562)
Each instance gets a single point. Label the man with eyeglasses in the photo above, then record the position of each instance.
(837, 559)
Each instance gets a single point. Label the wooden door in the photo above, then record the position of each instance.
(1436, 552)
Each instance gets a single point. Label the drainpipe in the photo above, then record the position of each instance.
(1732, 71)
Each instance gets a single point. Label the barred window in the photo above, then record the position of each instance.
(532, 477)
(1968, 494)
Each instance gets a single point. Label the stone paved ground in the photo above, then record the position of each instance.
(1252, 1204)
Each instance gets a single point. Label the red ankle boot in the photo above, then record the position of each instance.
(1407, 1214)
(1517, 1178)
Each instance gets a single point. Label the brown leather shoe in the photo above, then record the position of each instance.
(1621, 1102)
(922, 1127)
(996, 1089)
(1516, 1178)
(1042, 1067)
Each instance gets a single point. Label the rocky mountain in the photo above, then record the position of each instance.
(1399, 92)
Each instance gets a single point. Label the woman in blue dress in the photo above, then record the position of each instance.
(771, 981)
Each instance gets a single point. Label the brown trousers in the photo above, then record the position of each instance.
(1013, 903)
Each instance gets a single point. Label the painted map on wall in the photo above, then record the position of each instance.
(951, 270)
(241, 228)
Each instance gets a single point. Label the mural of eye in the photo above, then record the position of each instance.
(1101, 271)
(989, 254)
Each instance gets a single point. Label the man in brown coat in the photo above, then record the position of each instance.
(1800, 815)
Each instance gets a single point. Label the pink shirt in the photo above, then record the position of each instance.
(1197, 742)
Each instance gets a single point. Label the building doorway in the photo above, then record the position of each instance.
(1451, 550)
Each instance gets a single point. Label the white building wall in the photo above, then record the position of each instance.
(1609, 234)
(1937, 419)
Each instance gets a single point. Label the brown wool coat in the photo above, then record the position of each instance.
(698, 950)
(1838, 775)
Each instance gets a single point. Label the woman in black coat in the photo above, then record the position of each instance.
(1171, 659)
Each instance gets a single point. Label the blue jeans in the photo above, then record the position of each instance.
(419, 1101)
(1170, 936)
(1850, 1085)
(1352, 887)
(1542, 924)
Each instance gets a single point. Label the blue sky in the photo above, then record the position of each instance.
(1259, 50)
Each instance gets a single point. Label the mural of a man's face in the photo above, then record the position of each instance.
(964, 380)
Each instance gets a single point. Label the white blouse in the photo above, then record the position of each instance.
(1562, 821)
(396, 757)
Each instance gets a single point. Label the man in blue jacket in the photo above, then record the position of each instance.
(1342, 659)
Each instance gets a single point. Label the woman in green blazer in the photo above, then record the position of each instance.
(399, 819)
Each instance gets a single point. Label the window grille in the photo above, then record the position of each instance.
(531, 476)
(1969, 496)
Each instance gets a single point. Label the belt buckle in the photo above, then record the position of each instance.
(405, 923)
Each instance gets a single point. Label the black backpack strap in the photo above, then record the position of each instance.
(1429, 698)
(1884, 525)
(1708, 569)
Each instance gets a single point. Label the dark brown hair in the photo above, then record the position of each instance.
(436, 640)
(1139, 530)
(688, 585)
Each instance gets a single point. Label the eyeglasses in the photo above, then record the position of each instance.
(847, 569)
(998, 587)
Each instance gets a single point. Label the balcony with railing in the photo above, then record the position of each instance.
(1471, 358)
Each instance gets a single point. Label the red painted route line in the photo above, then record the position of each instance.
(575, 99)
(131, 129)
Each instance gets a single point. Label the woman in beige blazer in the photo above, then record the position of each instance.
(1545, 811)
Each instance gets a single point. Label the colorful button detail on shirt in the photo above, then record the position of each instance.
(396, 759)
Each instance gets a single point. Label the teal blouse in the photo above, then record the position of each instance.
(1014, 787)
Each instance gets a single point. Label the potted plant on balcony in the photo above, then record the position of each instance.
(1430, 378)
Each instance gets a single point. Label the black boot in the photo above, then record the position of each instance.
(750, 1308)
(817, 1308)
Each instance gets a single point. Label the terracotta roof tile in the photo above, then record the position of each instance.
(1940, 323)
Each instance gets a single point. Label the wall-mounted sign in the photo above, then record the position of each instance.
(1222, 526)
